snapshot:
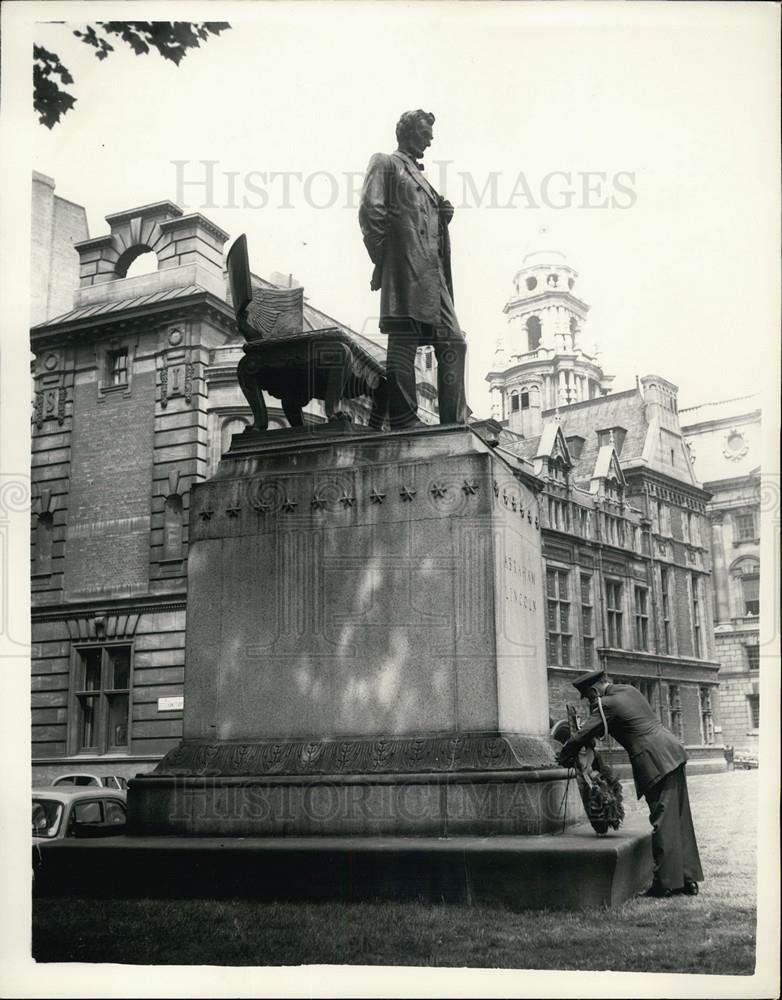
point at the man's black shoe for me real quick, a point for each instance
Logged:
(690, 888)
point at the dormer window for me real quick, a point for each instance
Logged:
(575, 444)
(612, 435)
(118, 367)
(556, 470)
(613, 489)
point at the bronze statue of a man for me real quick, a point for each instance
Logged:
(404, 222)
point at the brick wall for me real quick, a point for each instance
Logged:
(108, 521)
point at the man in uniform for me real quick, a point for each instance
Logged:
(404, 222)
(658, 760)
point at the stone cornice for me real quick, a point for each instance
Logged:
(117, 605)
(52, 334)
(541, 298)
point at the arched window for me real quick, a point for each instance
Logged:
(514, 402)
(532, 283)
(533, 333)
(524, 399)
(129, 263)
(145, 263)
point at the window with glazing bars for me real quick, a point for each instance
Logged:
(558, 612)
(614, 613)
(641, 618)
(675, 710)
(102, 698)
(665, 583)
(587, 621)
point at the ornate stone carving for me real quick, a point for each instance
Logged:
(366, 755)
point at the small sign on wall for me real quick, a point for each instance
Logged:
(170, 704)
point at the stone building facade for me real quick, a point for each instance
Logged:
(135, 399)
(724, 442)
(626, 533)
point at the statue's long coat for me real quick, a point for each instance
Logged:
(406, 235)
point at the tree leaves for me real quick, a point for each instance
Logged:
(170, 39)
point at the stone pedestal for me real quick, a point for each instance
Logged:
(365, 643)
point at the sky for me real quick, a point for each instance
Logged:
(671, 104)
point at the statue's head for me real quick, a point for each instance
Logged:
(414, 132)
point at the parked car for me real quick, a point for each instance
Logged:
(63, 812)
(107, 781)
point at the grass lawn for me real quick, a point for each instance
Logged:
(711, 933)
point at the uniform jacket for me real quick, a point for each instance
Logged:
(404, 224)
(653, 750)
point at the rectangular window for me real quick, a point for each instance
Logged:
(583, 515)
(753, 704)
(745, 527)
(648, 689)
(587, 621)
(696, 614)
(614, 614)
(665, 583)
(753, 658)
(641, 618)
(102, 699)
(750, 587)
(558, 621)
(675, 710)
(514, 403)
(707, 719)
(118, 367)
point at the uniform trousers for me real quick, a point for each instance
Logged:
(674, 848)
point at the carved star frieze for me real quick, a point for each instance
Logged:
(318, 503)
(206, 515)
(376, 497)
(289, 505)
(347, 500)
(513, 503)
(406, 493)
(232, 511)
(262, 508)
(438, 490)
(470, 488)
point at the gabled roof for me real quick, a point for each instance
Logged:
(552, 444)
(606, 467)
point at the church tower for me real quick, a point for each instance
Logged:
(543, 361)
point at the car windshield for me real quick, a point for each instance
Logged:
(47, 814)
